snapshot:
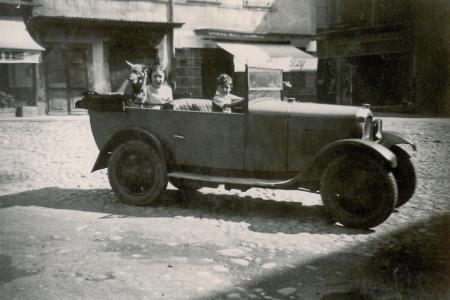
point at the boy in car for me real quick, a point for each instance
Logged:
(223, 100)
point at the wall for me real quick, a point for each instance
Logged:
(145, 11)
(432, 56)
(283, 17)
(419, 30)
(290, 18)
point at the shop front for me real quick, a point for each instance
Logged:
(19, 55)
(296, 64)
(91, 54)
(367, 66)
(212, 52)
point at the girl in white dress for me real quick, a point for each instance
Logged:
(158, 92)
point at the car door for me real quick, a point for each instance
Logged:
(266, 142)
(208, 139)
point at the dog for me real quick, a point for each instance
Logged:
(135, 85)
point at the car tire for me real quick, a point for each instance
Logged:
(358, 191)
(405, 175)
(137, 174)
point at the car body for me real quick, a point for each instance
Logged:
(269, 142)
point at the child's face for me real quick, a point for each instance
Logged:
(226, 88)
(157, 78)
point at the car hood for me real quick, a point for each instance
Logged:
(268, 106)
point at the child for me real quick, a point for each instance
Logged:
(158, 92)
(223, 100)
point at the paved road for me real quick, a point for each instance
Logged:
(63, 234)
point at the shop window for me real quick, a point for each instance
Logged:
(20, 75)
(303, 85)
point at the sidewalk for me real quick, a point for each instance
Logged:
(47, 118)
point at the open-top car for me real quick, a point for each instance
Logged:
(340, 151)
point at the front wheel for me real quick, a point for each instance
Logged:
(405, 175)
(358, 192)
(137, 173)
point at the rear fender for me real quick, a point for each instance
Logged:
(391, 138)
(120, 137)
(315, 169)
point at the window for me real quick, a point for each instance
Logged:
(20, 75)
(258, 3)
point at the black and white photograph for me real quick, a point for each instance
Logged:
(225, 149)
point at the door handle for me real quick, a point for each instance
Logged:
(178, 136)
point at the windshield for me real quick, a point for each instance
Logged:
(264, 79)
(264, 83)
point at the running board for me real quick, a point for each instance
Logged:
(254, 182)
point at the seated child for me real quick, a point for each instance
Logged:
(223, 100)
(158, 92)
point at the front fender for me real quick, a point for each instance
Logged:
(391, 138)
(320, 161)
(122, 136)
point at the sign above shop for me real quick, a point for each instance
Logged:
(14, 57)
(275, 56)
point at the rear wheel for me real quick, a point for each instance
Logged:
(405, 176)
(358, 192)
(136, 172)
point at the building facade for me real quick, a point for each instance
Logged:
(87, 42)
(218, 33)
(393, 54)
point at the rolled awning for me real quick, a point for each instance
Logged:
(16, 44)
(275, 56)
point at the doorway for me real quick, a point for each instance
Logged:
(214, 63)
(67, 75)
(135, 50)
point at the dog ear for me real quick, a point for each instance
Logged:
(132, 66)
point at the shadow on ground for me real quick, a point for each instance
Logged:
(9, 271)
(279, 216)
(413, 263)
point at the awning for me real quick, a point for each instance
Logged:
(16, 44)
(275, 56)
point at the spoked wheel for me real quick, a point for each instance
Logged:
(405, 176)
(358, 192)
(137, 173)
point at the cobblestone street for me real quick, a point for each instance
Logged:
(63, 234)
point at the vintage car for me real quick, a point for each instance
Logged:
(270, 142)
